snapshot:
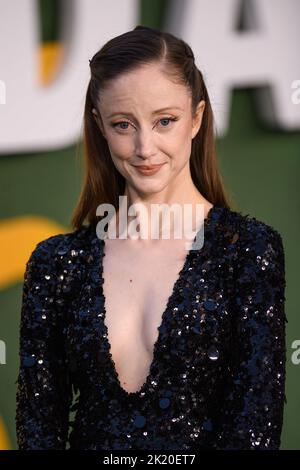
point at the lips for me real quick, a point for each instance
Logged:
(148, 170)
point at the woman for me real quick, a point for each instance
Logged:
(168, 348)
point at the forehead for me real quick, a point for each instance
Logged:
(146, 88)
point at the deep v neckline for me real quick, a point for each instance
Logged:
(156, 344)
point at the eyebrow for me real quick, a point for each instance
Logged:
(154, 112)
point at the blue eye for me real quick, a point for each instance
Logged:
(126, 122)
(167, 119)
(122, 122)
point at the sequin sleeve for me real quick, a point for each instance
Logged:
(43, 385)
(252, 409)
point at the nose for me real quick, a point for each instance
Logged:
(145, 144)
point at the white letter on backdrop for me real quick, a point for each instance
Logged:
(36, 117)
(265, 55)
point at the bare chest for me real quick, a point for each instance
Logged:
(137, 285)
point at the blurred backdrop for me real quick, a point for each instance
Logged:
(247, 51)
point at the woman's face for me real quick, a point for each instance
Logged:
(139, 132)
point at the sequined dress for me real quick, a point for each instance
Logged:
(217, 378)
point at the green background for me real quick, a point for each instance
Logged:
(260, 167)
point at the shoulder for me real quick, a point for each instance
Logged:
(249, 234)
(256, 251)
(60, 245)
(59, 263)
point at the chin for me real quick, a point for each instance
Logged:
(149, 187)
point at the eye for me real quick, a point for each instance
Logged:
(116, 124)
(121, 122)
(168, 119)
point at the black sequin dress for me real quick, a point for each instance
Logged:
(217, 378)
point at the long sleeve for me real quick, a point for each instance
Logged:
(44, 389)
(252, 410)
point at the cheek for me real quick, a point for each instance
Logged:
(179, 144)
(120, 148)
